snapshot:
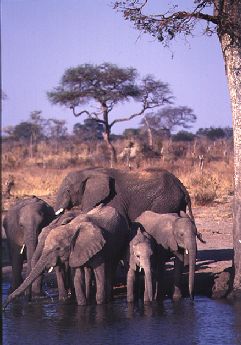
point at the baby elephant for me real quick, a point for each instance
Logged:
(175, 236)
(142, 256)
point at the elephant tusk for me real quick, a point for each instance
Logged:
(96, 209)
(140, 268)
(61, 210)
(186, 251)
(22, 249)
(51, 269)
(239, 241)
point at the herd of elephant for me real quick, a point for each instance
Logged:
(103, 217)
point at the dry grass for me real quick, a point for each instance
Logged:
(42, 174)
(216, 181)
(35, 181)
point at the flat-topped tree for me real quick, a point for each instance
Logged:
(167, 20)
(102, 87)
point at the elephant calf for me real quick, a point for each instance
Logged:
(142, 256)
(175, 236)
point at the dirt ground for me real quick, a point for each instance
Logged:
(215, 224)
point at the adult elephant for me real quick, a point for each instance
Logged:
(96, 240)
(23, 223)
(175, 236)
(130, 193)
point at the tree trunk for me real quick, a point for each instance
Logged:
(31, 146)
(231, 49)
(113, 157)
(106, 136)
(149, 134)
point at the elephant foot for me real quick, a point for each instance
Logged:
(82, 302)
(130, 300)
(100, 301)
(147, 301)
(37, 292)
(177, 296)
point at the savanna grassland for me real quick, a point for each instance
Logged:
(204, 167)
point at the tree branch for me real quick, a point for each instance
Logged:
(196, 15)
(133, 115)
(93, 115)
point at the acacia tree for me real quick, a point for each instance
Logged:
(90, 130)
(221, 17)
(56, 129)
(102, 87)
(167, 119)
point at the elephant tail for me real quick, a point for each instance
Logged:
(189, 205)
(187, 199)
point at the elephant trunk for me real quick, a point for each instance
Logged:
(148, 285)
(34, 274)
(192, 253)
(145, 264)
(31, 243)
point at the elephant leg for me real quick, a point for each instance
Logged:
(110, 278)
(148, 292)
(130, 285)
(67, 275)
(79, 285)
(60, 275)
(159, 281)
(88, 274)
(99, 272)
(178, 268)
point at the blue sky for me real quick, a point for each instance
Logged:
(41, 39)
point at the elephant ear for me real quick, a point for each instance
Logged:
(87, 242)
(165, 236)
(98, 188)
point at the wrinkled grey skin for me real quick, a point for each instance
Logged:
(96, 240)
(142, 256)
(130, 193)
(175, 235)
(23, 223)
(62, 270)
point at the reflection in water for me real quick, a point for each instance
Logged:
(45, 322)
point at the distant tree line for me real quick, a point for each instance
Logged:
(37, 128)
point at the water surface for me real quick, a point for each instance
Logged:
(46, 322)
